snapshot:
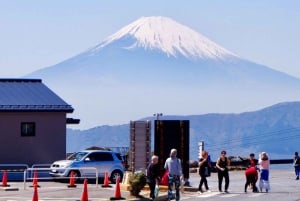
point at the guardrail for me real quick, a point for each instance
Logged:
(39, 169)
(13, 167)
(14, 171)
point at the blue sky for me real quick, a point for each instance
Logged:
(36, 34)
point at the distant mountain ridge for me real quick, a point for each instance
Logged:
(157, 64)
(274, 129)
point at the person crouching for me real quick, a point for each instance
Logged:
(251, 178)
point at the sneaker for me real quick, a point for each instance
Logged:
(226, 191)
(297, 178)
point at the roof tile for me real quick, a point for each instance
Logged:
(29, 95)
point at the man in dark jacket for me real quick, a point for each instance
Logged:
(153, 176)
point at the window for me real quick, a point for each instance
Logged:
(101, 157)
(27, 129)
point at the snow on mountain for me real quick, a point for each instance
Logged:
(170, 37)
(156, 64)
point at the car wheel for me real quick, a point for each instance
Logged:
(115, 174)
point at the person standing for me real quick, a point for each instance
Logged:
(153, 175)
(297, 165)
(264, 164)
(173, 166)
(223, 172)
(204, 171)
(249, 162)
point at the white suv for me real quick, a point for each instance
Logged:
(83, 164)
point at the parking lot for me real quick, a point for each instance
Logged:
(283, 187)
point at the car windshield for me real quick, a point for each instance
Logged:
(77, 156)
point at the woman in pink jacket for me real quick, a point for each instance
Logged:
(264, 164)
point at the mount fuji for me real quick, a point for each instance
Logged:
(155, 64)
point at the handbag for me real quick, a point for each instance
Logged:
(206, 171)
(164, 179)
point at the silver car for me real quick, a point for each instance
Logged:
(85, 163)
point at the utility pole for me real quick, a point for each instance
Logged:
(157, 115)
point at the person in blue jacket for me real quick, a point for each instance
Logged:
(173, 166)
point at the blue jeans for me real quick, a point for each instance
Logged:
(174, 180)
(264, 175)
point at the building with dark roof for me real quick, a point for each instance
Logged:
(32, 122)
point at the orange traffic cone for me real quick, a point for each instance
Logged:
(4, 179)
(35, 180)
(35, 194)
(106, 182)
(84, 196)
(72, 181)
(117, 191)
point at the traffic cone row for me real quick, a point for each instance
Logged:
(4, 180)
(72, 181)
(84, 196)
(117, 191)
(106, 182)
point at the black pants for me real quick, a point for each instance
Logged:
(152, 188)
(252, 179)
(203, 180)
(221, 175)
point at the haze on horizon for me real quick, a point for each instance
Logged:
(155, 63)
(39, 35)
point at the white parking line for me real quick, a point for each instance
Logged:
(255, 194)
(228, 195)
(208, 194)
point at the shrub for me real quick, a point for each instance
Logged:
(137, 182)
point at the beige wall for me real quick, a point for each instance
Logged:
(48, 144)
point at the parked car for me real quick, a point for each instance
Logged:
(84, 164)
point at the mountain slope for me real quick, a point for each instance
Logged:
(157, 64)
(274, 129)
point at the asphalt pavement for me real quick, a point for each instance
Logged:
(283, 187)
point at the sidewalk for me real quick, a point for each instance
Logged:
(282, 181)
(145, 193)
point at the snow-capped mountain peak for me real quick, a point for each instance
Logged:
(170, 37)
